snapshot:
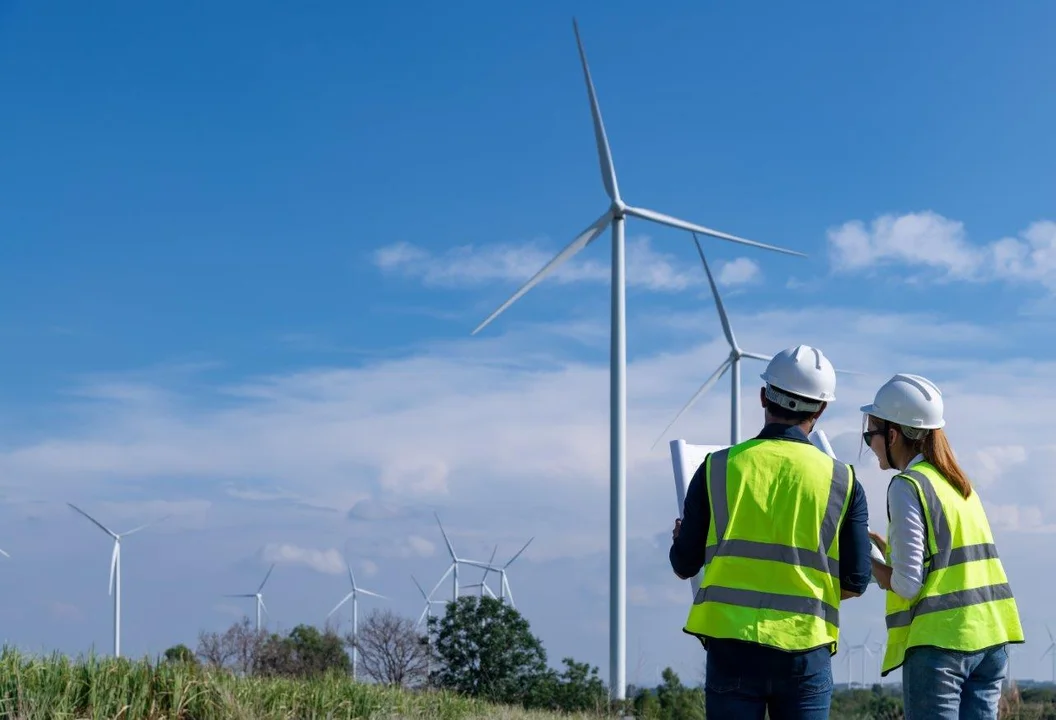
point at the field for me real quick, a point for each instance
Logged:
(33, 688)
(57, 688)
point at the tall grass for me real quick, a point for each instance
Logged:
(57, 688)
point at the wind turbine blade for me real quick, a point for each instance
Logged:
(477, 564)
(422, 617)
(441, 580)
(490, 562)
(338, 606)
(266, 577)
(510, 561)
(608, 170)
(691, 227)
(98, 524)
(113, 564)
(584, 239)
(424, 596)
(715, 377)
(757, 356)
(352, 577)
(849, 372)
(1053, 639)
(450, 549)
(146, 525)
(252, 595)
(726, 329)
(361, 591)
(264, 607)
(4, 553)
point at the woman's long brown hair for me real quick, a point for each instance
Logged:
(935, 448)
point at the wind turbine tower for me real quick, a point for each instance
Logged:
(115, 570)
(258, 596)
(615, 215)
(354, 596)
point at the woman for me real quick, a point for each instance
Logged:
(950, 612)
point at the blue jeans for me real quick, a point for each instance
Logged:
(942, 684)
(796, 689)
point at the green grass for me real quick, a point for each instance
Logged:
(57, 688)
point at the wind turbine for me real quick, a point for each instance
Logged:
(455, 561)
(483, 584)
(1051, 650)
(731, 363)
(504, 588)
(429, 602)
(258, 595)
(354, 596)
(615, 216)
(115, 570)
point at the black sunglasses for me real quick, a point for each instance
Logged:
(867, 436)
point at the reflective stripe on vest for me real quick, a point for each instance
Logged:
(977, 599)
(794, 603)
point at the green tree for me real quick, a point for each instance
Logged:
(678, 702)
(577, 688)
(305, 652)
(647, 705)
(486, 649)
(180, 654)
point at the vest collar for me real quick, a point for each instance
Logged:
(780, 431)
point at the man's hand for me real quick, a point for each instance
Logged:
(678, 526)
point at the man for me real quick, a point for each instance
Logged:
(782, 532)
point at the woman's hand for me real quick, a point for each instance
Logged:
(882, 573)
(880, 541)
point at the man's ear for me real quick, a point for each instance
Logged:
(817, 415)
(762, 397)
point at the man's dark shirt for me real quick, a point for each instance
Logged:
(687, 557)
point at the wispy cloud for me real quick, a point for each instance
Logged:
(325, 561)
(471, 265)
(927, 239)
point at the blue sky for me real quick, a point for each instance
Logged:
(243, 248)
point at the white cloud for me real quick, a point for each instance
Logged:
(470, 265)
(420, 546)
(930, 240)
(739, 272)
(324, 561)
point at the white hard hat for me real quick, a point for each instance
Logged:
(908, 400)
(803, 371)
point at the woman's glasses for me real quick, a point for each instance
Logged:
(867, 436)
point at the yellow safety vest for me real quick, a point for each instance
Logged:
(772, 559)
(965, 602)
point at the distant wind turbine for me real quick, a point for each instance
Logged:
(504, 588)
(1051, 650)
(258, 596)
(429, 602)
(354, 596)
(455, 561)
(615, 216)
(115, 570)
(731, 363)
